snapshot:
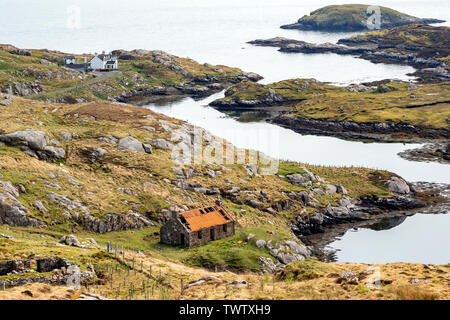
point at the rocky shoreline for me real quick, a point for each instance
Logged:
(197, 88)
(428, 59)
(431, 152)
(428, 69)
(326, 226)
(355, 130)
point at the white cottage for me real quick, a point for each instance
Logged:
(104, 61)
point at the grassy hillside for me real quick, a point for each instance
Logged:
(41, 75)
(154, 277)
(148, 185)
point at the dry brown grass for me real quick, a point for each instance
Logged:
(117, 113)
(410, 292)
(39, 291)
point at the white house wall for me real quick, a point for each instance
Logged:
(97, 63)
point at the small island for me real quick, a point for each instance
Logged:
(389, 110)
(353, 17)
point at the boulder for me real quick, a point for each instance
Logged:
(397, 185)
(6, 101)
(269, 265)
(64, 201)
(8, 187)
(67, 136)
(298, 179)
(130, 143)
(330, 189)
(348, 277)
(51, 153)
(260, 244)
(98, 154)
(147, 148)
(70, 240)
(35, 140)
(12, 212)
(40, 206)
(162, 144)
(211, 173)
(34, 143)
(289, 252)
(341, 189)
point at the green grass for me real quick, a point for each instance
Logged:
(303, 270)
(100, 95)
(227, 253)
(287, 168)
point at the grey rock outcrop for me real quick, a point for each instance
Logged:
(64, 201)
(40, 206)
(269, 265)
(70, 240)
(98, 154)
(113, 222)
(397, 185)
(130, 143)
(12, 212)
(289, 252)
(34, 143)
(163, 144)
(302, 179)
(260, 244)
(6, 101)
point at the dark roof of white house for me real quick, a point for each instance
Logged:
(69, 57)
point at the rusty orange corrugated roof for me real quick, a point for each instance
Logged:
(197, 220)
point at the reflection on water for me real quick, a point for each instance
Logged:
(249, 116)
(386, 223)
(290, 145)
(421, 238)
